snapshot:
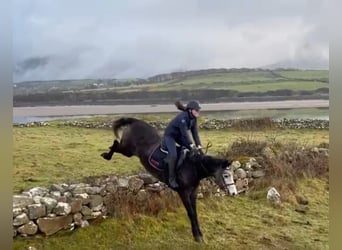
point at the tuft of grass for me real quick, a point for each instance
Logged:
(284, 164)
(254, 124)
(126, 204)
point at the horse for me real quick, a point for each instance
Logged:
(140, 139)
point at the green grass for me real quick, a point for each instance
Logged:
(260, 81)
(42, 156)
(230, 77)
(46, 155)
(56, 154)
(243, 86)
(305, 74)
(292, 85)
(244, 222)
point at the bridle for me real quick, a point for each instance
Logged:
(227, 185)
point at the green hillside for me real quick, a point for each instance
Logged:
(205, 85)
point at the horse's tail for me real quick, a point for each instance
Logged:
(124, 121)
(180, 105)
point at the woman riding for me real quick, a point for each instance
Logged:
(177, 132)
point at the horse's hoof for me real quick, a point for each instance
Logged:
(199, 239)
(106, 156)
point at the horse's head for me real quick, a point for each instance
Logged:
(219, 168)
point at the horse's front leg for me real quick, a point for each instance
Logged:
(112, 149)
(193, 198)
(192, 214)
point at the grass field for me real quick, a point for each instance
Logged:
(249, 81)
(262, 86)
(56, 154)
(243, 82)
(305, 74)
(43, 155)
(252, 76)
(232, 77)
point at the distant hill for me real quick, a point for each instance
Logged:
(207, 85)
(315, 64)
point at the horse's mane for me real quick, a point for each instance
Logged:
(180, 105)
(209, 162)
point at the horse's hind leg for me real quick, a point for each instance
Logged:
(113, 148)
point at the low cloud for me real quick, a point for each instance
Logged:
(58, 40)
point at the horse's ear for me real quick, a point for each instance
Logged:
(180, 105)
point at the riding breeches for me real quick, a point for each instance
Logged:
(170, 144)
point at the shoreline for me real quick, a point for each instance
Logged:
(82, 110)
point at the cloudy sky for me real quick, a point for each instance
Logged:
(64, 39)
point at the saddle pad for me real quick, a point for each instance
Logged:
(157, 157)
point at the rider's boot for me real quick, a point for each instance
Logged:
(172, 173)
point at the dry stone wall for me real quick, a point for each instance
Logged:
(47, 210)
(210, 124)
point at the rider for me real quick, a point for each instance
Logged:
(177, 132)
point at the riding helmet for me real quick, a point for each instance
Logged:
(193, 105)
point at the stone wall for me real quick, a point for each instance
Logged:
(43, 210)
(208, 124)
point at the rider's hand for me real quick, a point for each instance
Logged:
(193, 149)
(200, 150)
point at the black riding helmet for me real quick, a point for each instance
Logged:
(193, 105)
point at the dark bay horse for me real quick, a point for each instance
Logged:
(140, 139)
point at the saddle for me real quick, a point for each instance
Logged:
(158, 156)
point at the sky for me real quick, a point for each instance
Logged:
(63, 39)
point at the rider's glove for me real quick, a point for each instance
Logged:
(200, 150)
(193, 149)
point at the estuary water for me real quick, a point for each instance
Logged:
(308, 108)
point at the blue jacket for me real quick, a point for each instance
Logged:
(179, 126)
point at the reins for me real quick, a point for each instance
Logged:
(209, 145)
